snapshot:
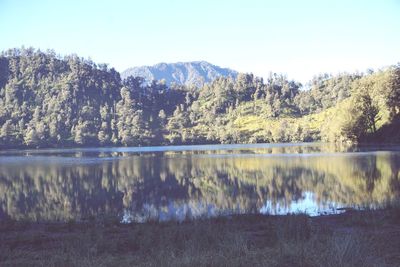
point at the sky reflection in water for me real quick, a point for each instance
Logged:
(174, 183)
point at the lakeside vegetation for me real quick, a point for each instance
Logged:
(52, 101)
(58, 215)
(365, 238)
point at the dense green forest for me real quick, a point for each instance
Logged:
(51, 101)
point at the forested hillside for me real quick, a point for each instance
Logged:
(52, 101)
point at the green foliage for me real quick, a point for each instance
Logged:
(369, 107)
(325, 91)
(49, 101)
(392, 92)
(46, 100)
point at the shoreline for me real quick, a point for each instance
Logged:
(353, 238)
(196, 147)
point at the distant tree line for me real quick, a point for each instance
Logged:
(52, 101)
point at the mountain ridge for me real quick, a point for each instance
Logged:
(196, 73)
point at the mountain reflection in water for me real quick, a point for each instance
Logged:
(164, 183)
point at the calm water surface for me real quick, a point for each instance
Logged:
(177, 182)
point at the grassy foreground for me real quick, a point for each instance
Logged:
(369, 238)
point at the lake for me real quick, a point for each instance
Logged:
(178, 182)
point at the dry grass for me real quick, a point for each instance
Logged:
(296, 240)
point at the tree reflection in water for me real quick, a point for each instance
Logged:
(62, 185)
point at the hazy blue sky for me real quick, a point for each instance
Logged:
(300, 38)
